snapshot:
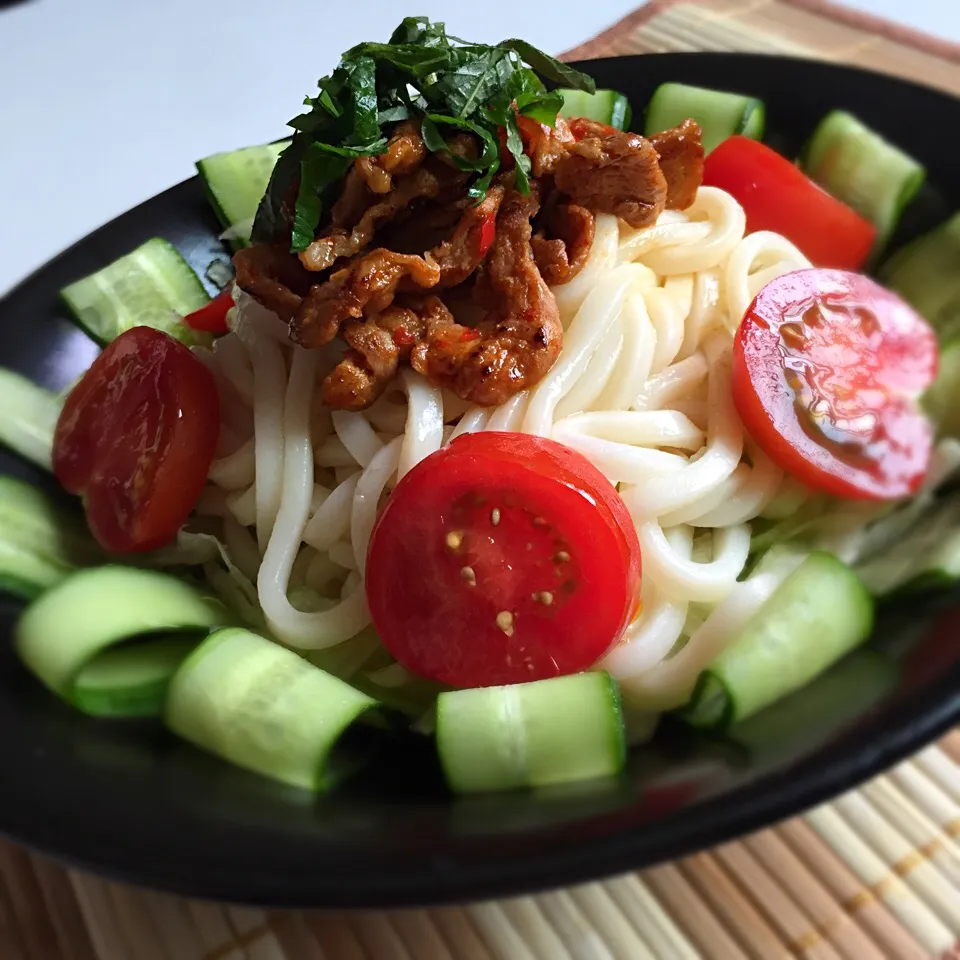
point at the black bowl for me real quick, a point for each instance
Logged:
(130, 801)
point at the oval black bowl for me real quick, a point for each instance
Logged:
(130, 801)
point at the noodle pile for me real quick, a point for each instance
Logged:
(641, 388)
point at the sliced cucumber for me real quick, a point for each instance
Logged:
(781, 559)
(531, 734)
(411, 700)
(61, 635)
(720, 114)
(861, 169)
(40, 543)
(942, 400)
(819, 613)
(830, 702)
(926, 273)
(235, 182)
(25, 573)
(604, 106)
(132, 680)
(927, 557)
(262, 707)
(28, 417)
(151, 287)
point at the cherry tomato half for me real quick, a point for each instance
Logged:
(827, 371)
(500, 559)
(212, 317)
(776, 195)
(136, 437)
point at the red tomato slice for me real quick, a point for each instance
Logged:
(500, 559)
(776, 195)
(827, 370)
(212, 317)
(136, 438)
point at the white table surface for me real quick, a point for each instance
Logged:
(104, 103)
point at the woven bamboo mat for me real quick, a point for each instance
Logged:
(802, 28)
(873, 875)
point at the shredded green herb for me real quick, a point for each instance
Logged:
(420, 73)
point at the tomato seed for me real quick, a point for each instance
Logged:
(561, 556)
(454, 539)
(469, 576)
(495, 516)
(505, 622)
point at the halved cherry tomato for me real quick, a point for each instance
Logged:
(776, 195)
(500, 559)
(827, 370)
(212, 317)
(136, 437)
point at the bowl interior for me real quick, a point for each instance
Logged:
(129, 800)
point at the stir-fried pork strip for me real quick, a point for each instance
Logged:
(680, 154)
(618, 173)
(520, 338)
(367, 284)
(433, 237)
(562, 255)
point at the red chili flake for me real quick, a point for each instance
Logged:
(469, 334)
(488, 230)
(402, 337)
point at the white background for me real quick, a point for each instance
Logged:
(104, 103)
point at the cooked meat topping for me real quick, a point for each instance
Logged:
(367, 284)
(563, 250)
(546, 146)
(617, 173)
(370, 177)
(423, 225)
(353, 200)
(270, 274)
(520, 338)
(459, 256)
(367, 367)
(405, 152)
(431, 236)
(377, 345)
(680, 153)
(337, 243)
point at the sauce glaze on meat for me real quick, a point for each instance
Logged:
(404, 244)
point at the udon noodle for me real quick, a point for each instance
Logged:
(641, 388)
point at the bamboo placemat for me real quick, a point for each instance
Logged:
(803, 28)
(873, 875)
